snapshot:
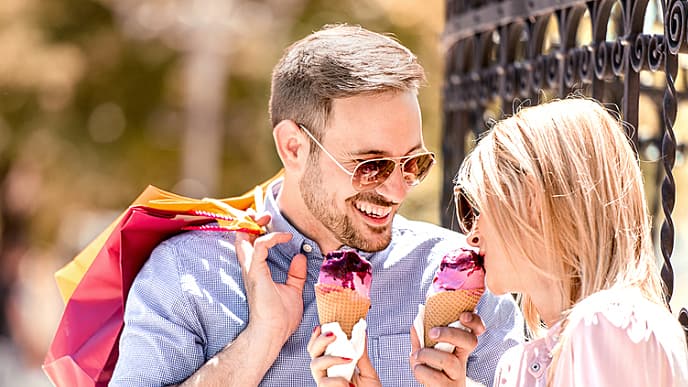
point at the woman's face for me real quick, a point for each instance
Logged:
(503, 274)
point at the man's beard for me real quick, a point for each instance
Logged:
(315, 196)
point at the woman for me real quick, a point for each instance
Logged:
(556, 206)
(559, 214)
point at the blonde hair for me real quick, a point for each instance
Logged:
(564, 190)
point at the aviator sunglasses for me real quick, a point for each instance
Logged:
(465, 210)
(370, 174)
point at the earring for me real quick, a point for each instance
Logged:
(475, 239)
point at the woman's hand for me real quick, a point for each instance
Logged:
(433, 367)
(364, 375)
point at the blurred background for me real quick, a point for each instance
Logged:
(99, 98)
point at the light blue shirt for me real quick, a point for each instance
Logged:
(188, 302)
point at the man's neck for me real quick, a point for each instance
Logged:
(293, 208)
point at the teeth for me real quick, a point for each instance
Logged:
(372, 210)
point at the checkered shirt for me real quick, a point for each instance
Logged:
(188, 302)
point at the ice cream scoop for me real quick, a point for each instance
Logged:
(343, 289)
(459, 270)
(456, 287)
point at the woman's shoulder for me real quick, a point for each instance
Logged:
(624, 308)
(624, 316)
(620, 328)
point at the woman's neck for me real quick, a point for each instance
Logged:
(547, 298)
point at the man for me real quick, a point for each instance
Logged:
(347, 127)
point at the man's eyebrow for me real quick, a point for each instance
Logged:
(381, 153)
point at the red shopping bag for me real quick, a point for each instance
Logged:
(95, 284)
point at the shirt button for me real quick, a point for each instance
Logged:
(307, 248)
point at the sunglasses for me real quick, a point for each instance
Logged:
(465, 210)
(370, 174)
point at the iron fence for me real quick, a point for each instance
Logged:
(500, 54)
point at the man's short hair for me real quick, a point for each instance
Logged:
(338, 61)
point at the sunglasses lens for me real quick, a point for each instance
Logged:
(466, 212)
(417, 168)
(370, 174)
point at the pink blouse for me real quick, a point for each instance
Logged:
(613, 338)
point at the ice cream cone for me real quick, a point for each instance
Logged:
(342, 305)
(443, 308)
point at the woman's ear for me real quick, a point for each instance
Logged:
(292, 145)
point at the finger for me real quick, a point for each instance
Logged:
(317, 345)
(296, 277)
(314, 335)
(465, 342)
(365, 365)
(334, 382)
(258, 253)
(415, 347)
(268, 241)
(415, 341)
(446, 362)
(473, 322)
(243, 244)
(248, 248)
(319, 365)
(429, 376)
(263, 219)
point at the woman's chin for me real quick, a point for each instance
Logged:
(495, 289)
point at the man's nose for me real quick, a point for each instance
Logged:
(394, 188)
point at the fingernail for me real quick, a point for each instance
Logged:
(329, 334)
(434, 333)
(467, 317)
(315, 328)
(346, 358)
(352, 385)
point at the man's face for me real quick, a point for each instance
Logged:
(362, 128)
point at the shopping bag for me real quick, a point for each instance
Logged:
(95, 284)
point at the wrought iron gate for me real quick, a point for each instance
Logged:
(500, 53)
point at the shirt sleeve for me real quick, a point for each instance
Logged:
(161, 343)
(639, 349)
(504, 328)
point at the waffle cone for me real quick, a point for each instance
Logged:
(343, 305)
(443, 308)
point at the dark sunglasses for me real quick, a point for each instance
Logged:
(370, 174)
(465, 210)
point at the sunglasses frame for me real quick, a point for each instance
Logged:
(398, 161)
(466, 211)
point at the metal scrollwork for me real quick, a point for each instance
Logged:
(617, 56)
(585, 63)
(603, 67)
(552, 70)
(655, 53)
(503, 50)
(638, 53)
(523, 80)
(538, 75)
(571, 75)
(675, 28)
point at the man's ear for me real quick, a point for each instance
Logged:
(292, 145)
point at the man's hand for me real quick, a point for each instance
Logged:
(275, 313)
(433, 367)
(275, 310)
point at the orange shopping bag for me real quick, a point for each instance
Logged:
(95, 284)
